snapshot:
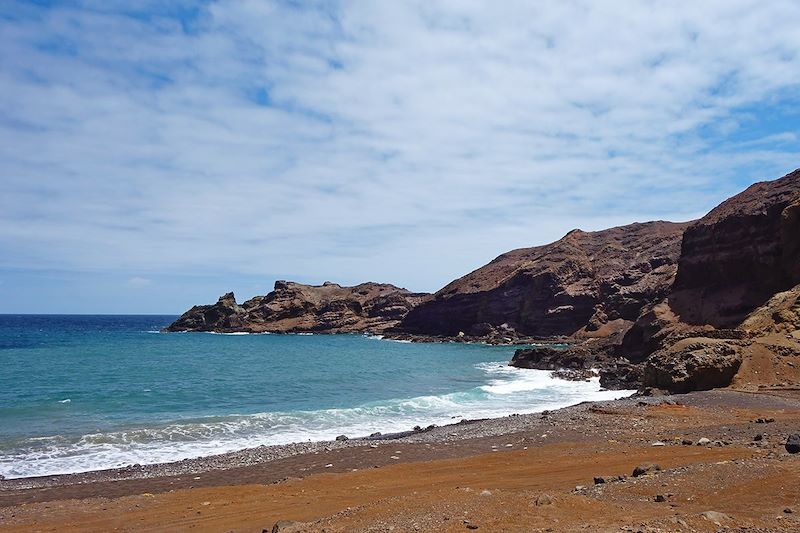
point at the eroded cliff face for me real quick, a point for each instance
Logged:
(732, 314)
(739, 255)
(587, 283)
(294, 307)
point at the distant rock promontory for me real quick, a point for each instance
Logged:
(295, 308)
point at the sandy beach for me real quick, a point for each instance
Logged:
(520, 473)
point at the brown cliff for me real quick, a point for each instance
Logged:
(732, 316)
(586, 284)
(740, 254)
(294, 307)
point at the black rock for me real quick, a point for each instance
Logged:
(342, 438)
(793, 443)
(758, 436)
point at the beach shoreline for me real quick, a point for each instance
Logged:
(618, 431)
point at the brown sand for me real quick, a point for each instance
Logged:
(753, 483)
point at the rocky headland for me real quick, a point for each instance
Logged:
(729, 317)
(296, 308)
(658, 306)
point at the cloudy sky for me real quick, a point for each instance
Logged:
(156, 156)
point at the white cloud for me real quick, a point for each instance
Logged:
(403, 141)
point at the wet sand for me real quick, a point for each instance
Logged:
(487, 475)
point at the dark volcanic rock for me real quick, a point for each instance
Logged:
(793, 443)
(294, 307)
(621, 376)
(693, 364)
(225, 315)
(545, 358)
(579, 363)
(595, 283)
(740, 254)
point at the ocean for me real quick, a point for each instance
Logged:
(81, 392)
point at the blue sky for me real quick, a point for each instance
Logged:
(157, 156)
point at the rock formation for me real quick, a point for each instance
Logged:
(586, 284)
(732, 316)
(740, 254)
(294, 307)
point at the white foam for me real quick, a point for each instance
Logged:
(507, 390)
(67, 400)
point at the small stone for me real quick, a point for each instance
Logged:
(486, 493)
(658, 443)
(376, 434)
(793, 443)
(645, 468)
(704, 442)
(342, 438)
(758, 436)
(660, 498)
(329, 465)
(788, 510)
(580, 488)
(687, 442)
(543, 499)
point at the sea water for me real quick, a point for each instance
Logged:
(81, 393)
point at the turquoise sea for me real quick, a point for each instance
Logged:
(84, 392)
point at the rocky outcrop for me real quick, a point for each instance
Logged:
(693, 364)
(294, 307)
(586, 284)
(736, 287)
(582, 361)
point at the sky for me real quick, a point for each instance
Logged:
(156, 154)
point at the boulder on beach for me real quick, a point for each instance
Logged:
(693, 364)
(645, 468)
(793, 443)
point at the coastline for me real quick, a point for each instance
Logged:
(619, 430)
(464, 429)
